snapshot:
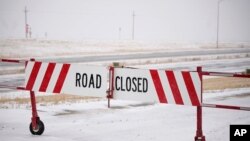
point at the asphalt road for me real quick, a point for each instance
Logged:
(146, 55)
(99, 58)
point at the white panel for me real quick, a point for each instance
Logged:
(91, 81)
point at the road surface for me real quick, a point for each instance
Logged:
(99, 58)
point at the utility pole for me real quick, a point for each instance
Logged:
(218, 18)
(133, 25)
(218, 23)
(30, 33)
(26, 24)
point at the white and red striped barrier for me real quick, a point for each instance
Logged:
(12, 61)
(223, 74)
(66, 78)
(173, 87)
(226, 107)
(226, 74)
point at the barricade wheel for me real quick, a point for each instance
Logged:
(39, 130)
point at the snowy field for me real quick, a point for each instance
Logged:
(125, 121)
(17, 48)
(41, 48)
(91, 120)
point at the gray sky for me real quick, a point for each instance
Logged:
(189, 21)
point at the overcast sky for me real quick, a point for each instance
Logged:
(165, 20)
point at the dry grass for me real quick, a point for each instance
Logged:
(52, 99)
(225, 82)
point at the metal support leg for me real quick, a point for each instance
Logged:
(108, 102)
(36, 126)
(199, 135)
(35, 118)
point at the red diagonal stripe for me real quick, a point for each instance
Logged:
(174, 87)
(61, 78)
(33, 75)
(47, 77)
(158, 86)
(190, 88)
(200, 75)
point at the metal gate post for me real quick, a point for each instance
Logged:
(199, 135)
(35, 118)
(111, 85)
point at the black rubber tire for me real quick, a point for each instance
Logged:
(40, 129)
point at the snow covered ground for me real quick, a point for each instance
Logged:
(91, 120)
(125, 121)
(51, 48)
(18, 48)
